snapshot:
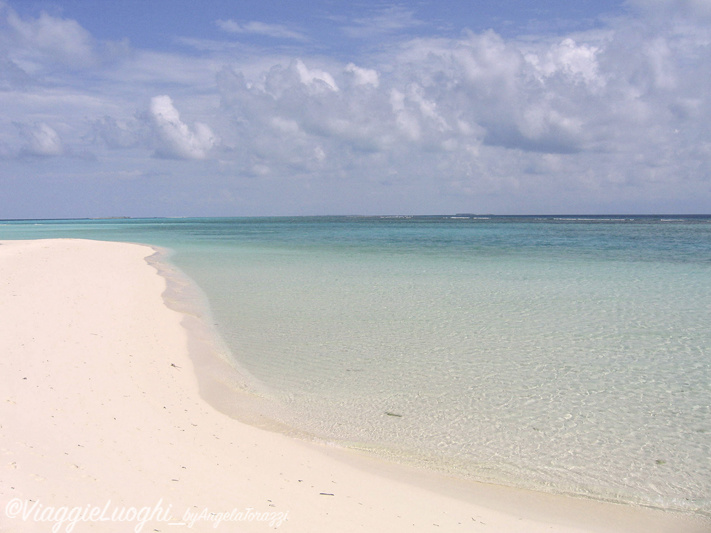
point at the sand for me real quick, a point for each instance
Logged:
(103, 427)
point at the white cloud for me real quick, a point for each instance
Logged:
(590, 113)
(488, 60)
(120, 133)
(286, 126)
(315, 78)
(276, 31)
(661, 62)
(48, 39)
(384, 21)
(12, 76)
(40, 140)
(174, 139)
(593, 115)
(363, 76)
(567, 58)
(406, 120)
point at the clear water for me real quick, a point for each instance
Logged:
(566, 354)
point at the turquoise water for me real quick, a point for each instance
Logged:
(564, 354)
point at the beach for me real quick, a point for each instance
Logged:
(110, 420)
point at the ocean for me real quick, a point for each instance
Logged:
(567, 354)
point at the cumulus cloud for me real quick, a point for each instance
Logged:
(174, 139)
(570, 59)
(315, 78)
(160, 129)
(441, 94)
(363, 76)
(40, 139)
(597, 114)
(607, 108)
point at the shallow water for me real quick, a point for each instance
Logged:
(567, 354)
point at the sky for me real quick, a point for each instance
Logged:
(163, 108)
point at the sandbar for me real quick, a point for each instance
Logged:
(105, 425)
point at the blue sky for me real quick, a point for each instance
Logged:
(219, 108)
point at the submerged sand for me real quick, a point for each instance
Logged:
(103, 427)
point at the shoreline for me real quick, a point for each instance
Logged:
(110, 394)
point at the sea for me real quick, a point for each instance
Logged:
(564, 354)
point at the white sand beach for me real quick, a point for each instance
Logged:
(103, 428)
